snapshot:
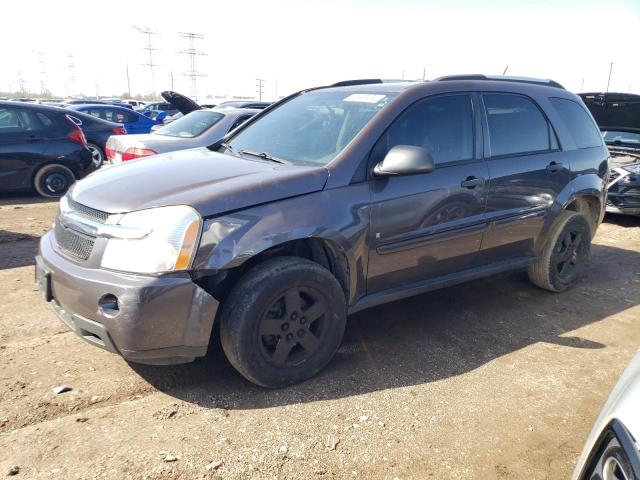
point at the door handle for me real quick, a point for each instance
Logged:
(472, 182)
(554, 167)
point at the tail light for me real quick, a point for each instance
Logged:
(76, 135)
(119, 130)
(135, 152)
(109, 149)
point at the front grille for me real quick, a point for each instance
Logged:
(88, 212)
(72, 243)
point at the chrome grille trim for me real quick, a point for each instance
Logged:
(87, 212)
(72, 243)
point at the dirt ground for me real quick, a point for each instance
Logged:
(491, 379)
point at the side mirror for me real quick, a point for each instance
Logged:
(161, 116)
(147, 113)
(405, 160)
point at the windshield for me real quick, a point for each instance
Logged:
(628, 138)
(191, 125)
(313, 127)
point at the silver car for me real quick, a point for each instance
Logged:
(199, 128)
(612, 451)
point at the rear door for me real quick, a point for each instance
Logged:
(22, 144)
(428, 225)
(526, 172)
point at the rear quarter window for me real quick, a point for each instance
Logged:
(583, 130)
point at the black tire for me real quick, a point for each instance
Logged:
(53, 180)
(565, 255)
(283, 321)
(97, 154)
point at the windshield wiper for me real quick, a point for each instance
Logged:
(228, 147)
(263, 155)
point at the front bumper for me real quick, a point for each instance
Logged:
(156, 320)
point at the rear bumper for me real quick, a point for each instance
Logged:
(157, 320)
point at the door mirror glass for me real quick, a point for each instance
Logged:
(405, 160)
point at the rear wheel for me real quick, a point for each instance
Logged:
(565, 256)
(53, 180)
(283, 321)
(96, 153)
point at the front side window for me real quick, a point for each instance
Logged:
(312, 128)
(516, 126)
(583, 130)
(442, 125)
(191, 125)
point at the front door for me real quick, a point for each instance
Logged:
(427, 225)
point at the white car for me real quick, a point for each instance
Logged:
(199, 128)
(612, 451)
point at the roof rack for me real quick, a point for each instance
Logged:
(349, 83)
(501, 78)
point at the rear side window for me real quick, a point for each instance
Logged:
(46, 121)
(583, 130)
(442, 125)
(517, 126)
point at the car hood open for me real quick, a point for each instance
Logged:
(614, 111)
(210, 182)
(181, 103)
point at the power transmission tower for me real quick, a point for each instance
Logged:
(71, 65)
(148, 33)
(43, 72)
(21, 82)
(259, 86)
(192, 54)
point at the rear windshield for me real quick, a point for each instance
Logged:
(311, 128)
(191, 125)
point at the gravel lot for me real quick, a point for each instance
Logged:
(492, 379)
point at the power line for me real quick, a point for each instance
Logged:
(259, 86)
(192, 54)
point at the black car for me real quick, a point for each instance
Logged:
(41, 148)
(97, 131)
(334, 200)
(618, 116)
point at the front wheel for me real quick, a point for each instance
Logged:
(53, 180)
(565, 255)
(283, 321)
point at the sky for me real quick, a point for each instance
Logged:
(298, 44)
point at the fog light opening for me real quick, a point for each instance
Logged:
(108, 304)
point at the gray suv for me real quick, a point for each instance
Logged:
(333, 200)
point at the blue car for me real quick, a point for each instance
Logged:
(133, 122)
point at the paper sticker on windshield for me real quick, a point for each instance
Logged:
(364, 98)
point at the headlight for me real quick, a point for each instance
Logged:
(169, 245)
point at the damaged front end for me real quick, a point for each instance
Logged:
(618, 116)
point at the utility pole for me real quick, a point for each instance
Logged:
(277, 89)
(609, 80)
(171, 77)
(505, 70)
(582, 86)
(147, 32)
(192, 53)
(128, 81)
(259, 90)
(424, 73)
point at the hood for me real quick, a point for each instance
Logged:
(614, 111)
(210, 182)
(180, 102)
